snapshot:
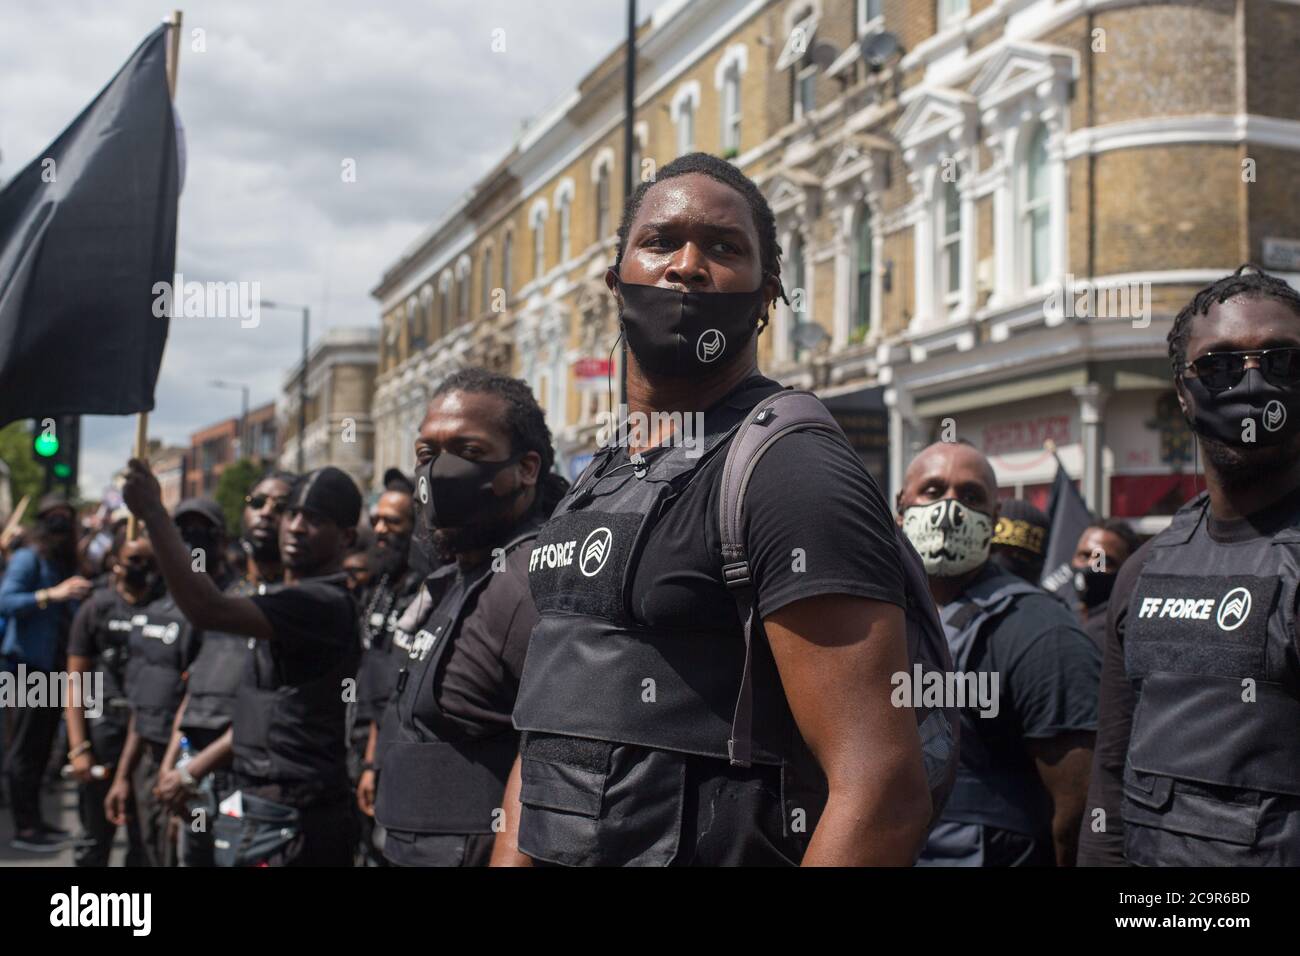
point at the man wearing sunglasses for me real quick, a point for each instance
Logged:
(215, 675)
(1198, 760)
(288, 733)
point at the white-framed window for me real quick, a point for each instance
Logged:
(731, 111)
(950, 11)
(414, 320)
(864, 258)
(686, 128)
(804, 86)
(507, 253)
(950, 245)
(602, 202)
(486, 302)
(797, 57)
(1036, 208)
(464, 269)
(799, 287)
(444, 303)
(539, 248)
(563, 217)
(871, 15)
(682, 111)
(726, 78)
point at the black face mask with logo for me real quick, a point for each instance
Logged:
(1222, 416)
(1093, 587)
(451, 492)
(684, 334)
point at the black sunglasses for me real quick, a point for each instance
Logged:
(258, 502)
(1222, 370)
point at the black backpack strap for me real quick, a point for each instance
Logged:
(778, 414)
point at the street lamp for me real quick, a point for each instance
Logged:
(302, 379)
(243, 413)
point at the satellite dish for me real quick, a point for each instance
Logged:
(824, 54)
(878, 48)
(809, 335)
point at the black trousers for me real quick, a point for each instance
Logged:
(153, 818)
(27, 753)
(97, 832)
(327, 834)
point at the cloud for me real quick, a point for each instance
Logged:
(279, 96)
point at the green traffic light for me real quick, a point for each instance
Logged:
(46, 445)
(62, 470)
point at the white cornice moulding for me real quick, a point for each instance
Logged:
(1169, 130)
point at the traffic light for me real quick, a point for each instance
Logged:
(56, 445)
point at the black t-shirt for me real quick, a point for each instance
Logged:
(1118, 700)
(316, 630)
(815, 523)
(101, 628)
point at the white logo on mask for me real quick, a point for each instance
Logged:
(950, 538)
(595, 551)
(424, 490)
(1274, 415)
(1233, 609)
(710, 345)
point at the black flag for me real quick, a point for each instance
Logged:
(1067, 518)
(86, 230)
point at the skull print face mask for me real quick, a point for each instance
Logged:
(951, 538)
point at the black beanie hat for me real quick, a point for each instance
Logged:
(330, 492)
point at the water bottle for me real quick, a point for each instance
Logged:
(186, 754)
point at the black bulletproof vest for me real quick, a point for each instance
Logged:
(1212, 776)
(216, 673)
(427, 784)
(594, 670)
(987, 791)
(377, 678)
(161, 642)
(294, 733)
(108, 730)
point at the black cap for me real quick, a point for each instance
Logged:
(204, 507)
(330, 492)
(396, 480)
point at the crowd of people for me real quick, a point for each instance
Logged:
(692, 656)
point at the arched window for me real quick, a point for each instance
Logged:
(950, 243)
(487, 280)
(1035, 208)
(563, 205)
(865, 268)
(464, 269)
(444, 302)
(539, 248)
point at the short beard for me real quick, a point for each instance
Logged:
(1238, 469)
(450, 543)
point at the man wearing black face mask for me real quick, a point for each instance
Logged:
(394, 585)
(1026, 742)
(630, 754)
(217, 672)
(1101, 552)
(483, 487)
(162, 645)
(98, 643)
(1198, 761)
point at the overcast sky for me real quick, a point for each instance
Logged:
(282, 94)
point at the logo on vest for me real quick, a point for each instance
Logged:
(1274, 415)
(595, 551)
(1234, 608)
(710, 345)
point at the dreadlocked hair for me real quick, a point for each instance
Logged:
(525, 423)
(1255, 284)
(719, 170)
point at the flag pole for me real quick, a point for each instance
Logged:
(142, 418)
